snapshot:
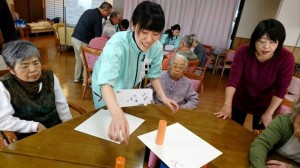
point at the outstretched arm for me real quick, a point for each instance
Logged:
(118, 124)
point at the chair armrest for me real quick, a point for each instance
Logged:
(77, 108)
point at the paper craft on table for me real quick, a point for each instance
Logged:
(98, 124)
(134, 97)
(181, 148)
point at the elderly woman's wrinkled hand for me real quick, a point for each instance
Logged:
(40, 128)
(171, 104)
(277, 164)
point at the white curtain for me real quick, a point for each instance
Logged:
(210, 20)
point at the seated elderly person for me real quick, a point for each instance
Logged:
(184, 49)
(176, 86)
(199, 50)
(123, 25)
(114, 19)
(99, 42)
(282, 136)
(185, 46)
(31, 98)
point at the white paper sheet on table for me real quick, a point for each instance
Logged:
(98, 124)
(181, 148)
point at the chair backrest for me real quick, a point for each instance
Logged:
(165, 62)
(208, 61)
(56, 26)
(198, 78)
(90, 56)
(229, 55)
(208, 49)
(3, 72)
(294, 87)
(65, 35)
(192, 66)
(196, 81)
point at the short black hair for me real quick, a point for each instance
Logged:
(273, 29)
(105, 5)
(125, 23)
(149, 16)
(170, 31)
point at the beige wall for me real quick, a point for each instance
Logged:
(289, 15)
(253, 12)
(118, 5)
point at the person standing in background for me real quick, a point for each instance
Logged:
(259, 76)
(88, 27)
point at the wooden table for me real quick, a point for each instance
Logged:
(63, 143)
(21, 161)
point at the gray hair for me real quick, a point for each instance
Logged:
(109, 30)
(194, 38)
(114, 14)
(187, 41)
(295, 111)
(177, 55)
(17, 51)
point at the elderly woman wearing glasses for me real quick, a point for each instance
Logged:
(176, 86)
(31, 98)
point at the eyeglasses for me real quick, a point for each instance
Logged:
(107, 11)
(180, 68)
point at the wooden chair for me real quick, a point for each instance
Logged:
(89, 57)
(197, 78)
(226, 63)
(192, 66)
(291, 97)
(6, 138)
(208, 49)
(166, 60)
(56, 26)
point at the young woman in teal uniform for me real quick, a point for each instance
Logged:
(171, 36)
(126, 59)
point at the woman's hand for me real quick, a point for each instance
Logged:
(119, 128)
(277, 164)
(266, 119)
(171, 103)
(225, 112)
(40, 128)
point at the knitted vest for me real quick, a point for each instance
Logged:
(37, 107)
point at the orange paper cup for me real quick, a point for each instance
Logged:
(120, 162)
(161, 132)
